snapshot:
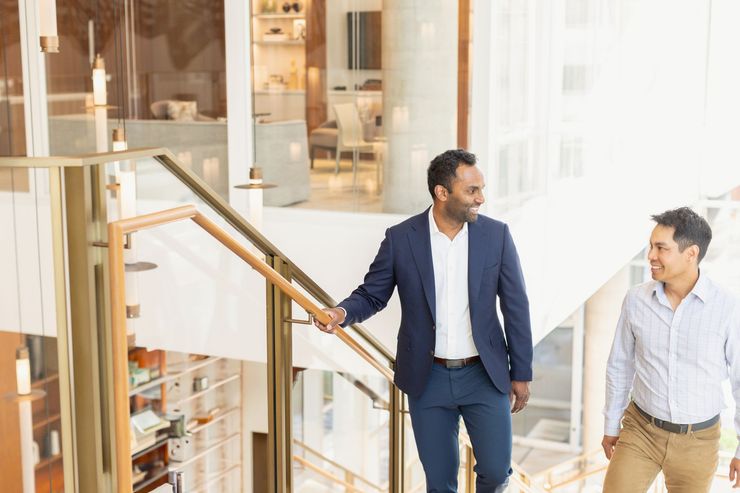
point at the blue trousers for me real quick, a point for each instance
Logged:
(435, 416)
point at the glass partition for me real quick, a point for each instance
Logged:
(33, 405)
(164, 80)
(341, 96)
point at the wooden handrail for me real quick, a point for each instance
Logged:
(326, 474)
(337, 465)
(573, 460)
(116, 232)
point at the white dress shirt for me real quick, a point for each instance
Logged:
(454, 332)
(674, 362)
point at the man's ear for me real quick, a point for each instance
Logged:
(693, 253)
(441, 192)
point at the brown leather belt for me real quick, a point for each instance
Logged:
(456, 363)
(675, 427)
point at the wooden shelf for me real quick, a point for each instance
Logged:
(287, 42)
(189, 368)
(47, 461)
(158, 474)
(154, 446)
(203, 453)
(43, 381)
(279, 16)
(46, 421)
(218, 418)
(215, 478)
(281, 92)
(216, 385)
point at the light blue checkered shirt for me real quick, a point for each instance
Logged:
(674, 362)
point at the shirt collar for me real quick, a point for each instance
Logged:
(700, 290)
(433, 229)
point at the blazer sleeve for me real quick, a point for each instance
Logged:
(515, 309)
(375, 291)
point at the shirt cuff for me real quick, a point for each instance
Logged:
(612, 427)
(345, 312)
(737, 452)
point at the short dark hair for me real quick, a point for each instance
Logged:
(689, 228)
(443, 167)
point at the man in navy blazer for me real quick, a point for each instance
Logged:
(450, 264)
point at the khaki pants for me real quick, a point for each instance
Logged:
(688, 461)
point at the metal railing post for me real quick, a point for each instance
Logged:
(85, 210)
(279, 383)
(396, 430)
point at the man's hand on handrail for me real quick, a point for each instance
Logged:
(337, 317)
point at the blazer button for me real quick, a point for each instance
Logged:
(434, 327)
(431, 352)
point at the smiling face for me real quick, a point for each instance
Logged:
(667, 262)
(461, 204)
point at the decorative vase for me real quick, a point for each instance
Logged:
(286, 7)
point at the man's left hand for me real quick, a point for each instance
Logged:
(518, 396)
(735, 472)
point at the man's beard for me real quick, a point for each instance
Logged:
(467, 216)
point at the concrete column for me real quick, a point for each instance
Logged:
(419, 50)
(602, 314)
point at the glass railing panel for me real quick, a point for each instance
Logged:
(32, 378)
(197, 341)
(548, 414)
(340, 416)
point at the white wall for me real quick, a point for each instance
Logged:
(721, 160)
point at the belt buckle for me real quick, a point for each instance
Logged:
(454, 363)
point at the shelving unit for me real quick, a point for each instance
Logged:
(273, 61)
(173, 392)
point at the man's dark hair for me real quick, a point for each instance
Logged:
(689, 229)
(443, 167)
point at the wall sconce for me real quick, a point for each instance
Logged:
(100, 93)
(48, 38)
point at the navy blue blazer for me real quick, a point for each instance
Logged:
(404, 260)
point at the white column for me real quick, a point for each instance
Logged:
(238, 100)
(602, 314)
(419, 96)
(34, 81)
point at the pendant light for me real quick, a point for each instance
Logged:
(22, 371)
(48, 38)
(100, 93)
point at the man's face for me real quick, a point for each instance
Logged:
(666, 261)
(466, 195)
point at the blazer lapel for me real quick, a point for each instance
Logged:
(476, 261)
(421, 248)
